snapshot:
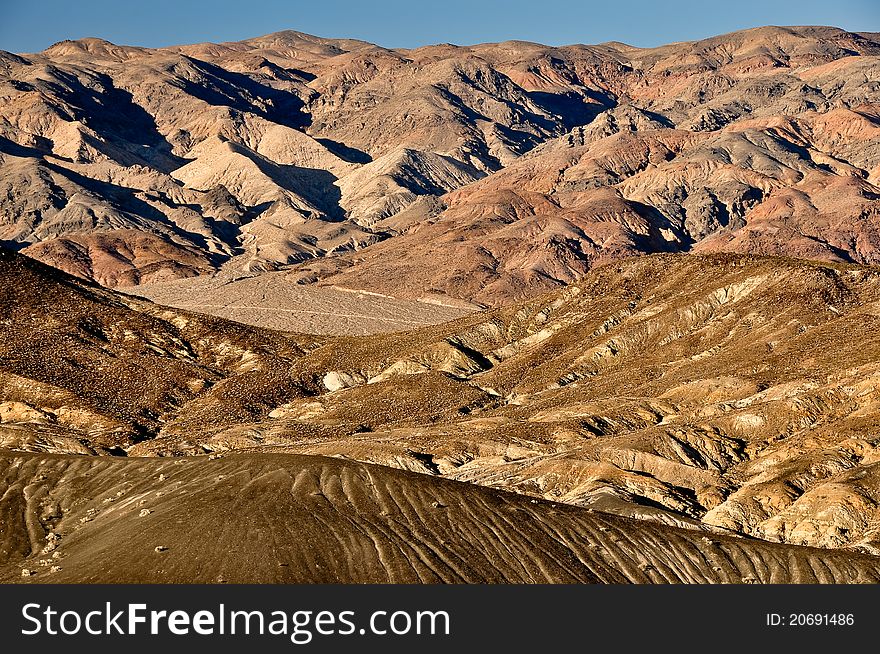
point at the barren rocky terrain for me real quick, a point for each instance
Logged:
(274, 300)
(317, 520)
(492, 313)
(484, 173)
(727, 396)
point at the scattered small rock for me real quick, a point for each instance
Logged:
(55, 568)
(144, 512)
(51, 542)
(27, 573)
(161, 548)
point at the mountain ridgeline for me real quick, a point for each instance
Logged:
(484, 173)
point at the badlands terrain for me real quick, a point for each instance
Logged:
(303, 309)
(669, 418)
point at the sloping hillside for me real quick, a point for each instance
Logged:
(297, 519)
(718, 393)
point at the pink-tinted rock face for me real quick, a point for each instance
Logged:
(485, 173)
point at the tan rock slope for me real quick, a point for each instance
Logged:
(484, 173)
(299, 519)
(705, 413)
(723, 394)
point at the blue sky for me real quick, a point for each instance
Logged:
(35, 24)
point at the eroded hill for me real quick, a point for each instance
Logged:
(724, 393)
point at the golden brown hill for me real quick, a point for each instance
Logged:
(86, 370)
(715, 392)
(802, 186)
(307, 519)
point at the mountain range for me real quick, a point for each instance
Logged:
(477, 174)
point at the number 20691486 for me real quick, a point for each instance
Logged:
(810, 619)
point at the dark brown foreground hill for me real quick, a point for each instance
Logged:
(306, 519)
